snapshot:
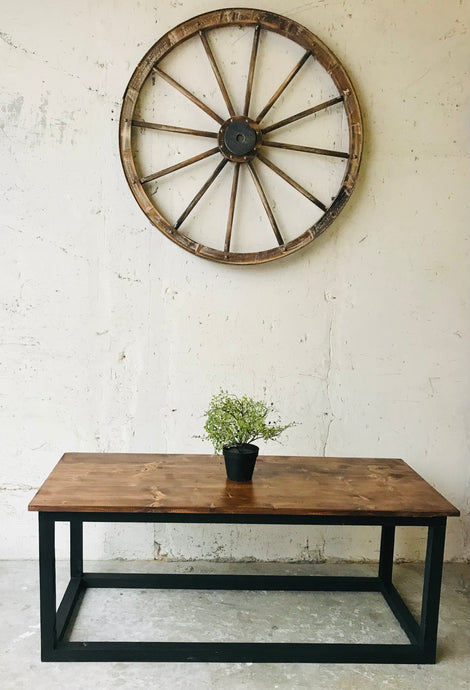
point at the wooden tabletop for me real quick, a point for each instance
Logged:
(284, 485)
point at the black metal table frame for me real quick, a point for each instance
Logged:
(55, 624)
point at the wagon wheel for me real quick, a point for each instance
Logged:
(241, 140)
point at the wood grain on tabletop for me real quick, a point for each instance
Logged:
(179, 483)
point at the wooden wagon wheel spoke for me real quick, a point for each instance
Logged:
(304, 113)
(265, 203)
(306, 149)
(200, 193)
(179, 87)
(233, 196)
(283, 86)
(292, 182)
(251, 71)
(178, 166)
(173, 128)
(239, 138)
(216, 71)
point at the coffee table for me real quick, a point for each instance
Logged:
(110, 487)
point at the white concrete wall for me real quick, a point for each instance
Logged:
(113, 339)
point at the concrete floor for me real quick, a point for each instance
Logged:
(256, 616)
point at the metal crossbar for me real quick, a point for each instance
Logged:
(55, 625)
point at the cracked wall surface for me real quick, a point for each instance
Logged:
(112, 338)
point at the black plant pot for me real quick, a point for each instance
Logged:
(240, 461)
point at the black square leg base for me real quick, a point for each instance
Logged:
(55, 624)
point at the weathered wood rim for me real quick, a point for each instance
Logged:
(260, 20)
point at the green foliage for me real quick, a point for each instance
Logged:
(232, 421)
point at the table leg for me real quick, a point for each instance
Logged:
(432, 589)
(387, 543)
(390, 593)
(76, 547)
(47, 585)
(76, 586)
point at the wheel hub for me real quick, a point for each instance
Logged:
(238, 139)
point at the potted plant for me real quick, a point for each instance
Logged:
(233, 424)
